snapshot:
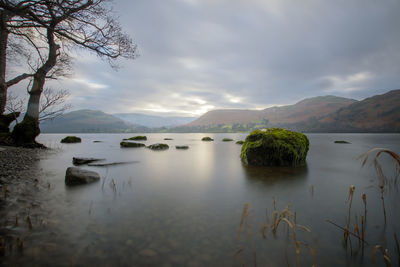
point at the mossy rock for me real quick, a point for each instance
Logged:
(275, 147)
(207, 138)
(240, 142)
(139, 137)
(227, 140)
(71, 139)
(131, 144)
(158, 146)
(341, 142)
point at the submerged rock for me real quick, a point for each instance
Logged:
(342, 142)
(80, 161)
(240, 142)
(227, 140)
(275, 147)
(139, 137)
(207, 138)
(71, 139)
(147, 253)
(168, 138)
(158, 146)
(182, 147)
(77, 176)
(131, 144)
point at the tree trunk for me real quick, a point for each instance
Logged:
(4, 17)
(26, 132)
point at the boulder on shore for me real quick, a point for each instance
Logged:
(158, 146)
(131, 144)
(77, 176)
(275, 147)
(207, 138)
(71, 139)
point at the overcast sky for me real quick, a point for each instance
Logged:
(198, 55)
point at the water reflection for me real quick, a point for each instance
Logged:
(272, 175)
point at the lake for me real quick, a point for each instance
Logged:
(184, 207)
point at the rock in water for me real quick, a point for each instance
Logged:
(182, 147)
(77, 176)
(275, 147)
(80, 161)
(207, 138)
(342, 142)
(131, 144)
(158, 146)
(71, 139)
(139, 137)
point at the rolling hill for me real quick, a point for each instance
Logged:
(380, 113)
(90, 121)
(301, 111)
(153, 121)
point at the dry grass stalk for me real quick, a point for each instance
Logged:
(264, 227)
(245, 214)
(28, 219)
(364, 199)
(378, 168)
(385, 254)
(397, 247)
(349, 232)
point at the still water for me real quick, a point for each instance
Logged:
(184, 207)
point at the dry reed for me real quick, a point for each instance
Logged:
(378, 168)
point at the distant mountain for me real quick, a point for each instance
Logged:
(153, 121)
(380, 113)
(303, 110)
(88, 121)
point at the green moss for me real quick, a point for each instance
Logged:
(227, 140)
(158, 146)
(139, 137)
(131, 144)
(275, 147)
(240, 142)
(342, 142)
(207, 139)
(71, 139)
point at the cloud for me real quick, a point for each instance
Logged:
(200, 55)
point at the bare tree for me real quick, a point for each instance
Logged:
(52, 104)
(63, 25)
